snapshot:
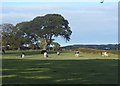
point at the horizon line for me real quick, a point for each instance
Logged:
(88, 44)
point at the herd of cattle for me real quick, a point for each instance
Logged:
(77, 54)
(45, 53)
(105, 54)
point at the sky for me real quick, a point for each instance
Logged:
(91, 22)
(58, 0)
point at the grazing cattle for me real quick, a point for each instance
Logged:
(105, 54)
(45, 55)
(23, 55)
(58, 53)
(77, 53)
(43, 51)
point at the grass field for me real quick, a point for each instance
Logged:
(63, 69)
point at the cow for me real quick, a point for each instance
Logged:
(43, 51)
(105, 54)
(45, 54)
(22, 55)
(58, 53)
(77, 53)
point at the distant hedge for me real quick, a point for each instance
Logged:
(94, 51)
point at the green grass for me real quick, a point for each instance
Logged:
(63, 69)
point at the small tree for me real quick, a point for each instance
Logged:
(12, 36)
(56, 46)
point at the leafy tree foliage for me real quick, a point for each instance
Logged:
(12, 38)
(7, 35)
(41, 29)
(45, 27)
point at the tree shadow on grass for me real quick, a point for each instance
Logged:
(16, 71)
(18, 53)
(33, 52)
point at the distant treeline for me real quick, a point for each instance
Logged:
(98, 47)
(94, 51)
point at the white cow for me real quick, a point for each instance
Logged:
(45, 55)
(105, 54)
(77, 55)
(58, 53)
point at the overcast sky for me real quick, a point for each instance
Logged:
(90, 22)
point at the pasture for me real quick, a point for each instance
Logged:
(62, 69)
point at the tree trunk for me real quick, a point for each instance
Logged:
(45, 45)
(47, 42)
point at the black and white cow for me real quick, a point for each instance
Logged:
(77, 53)
(45, 54)
(22, 55)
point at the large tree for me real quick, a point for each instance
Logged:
(46, 27)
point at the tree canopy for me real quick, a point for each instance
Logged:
(11, 37)
(43, 28)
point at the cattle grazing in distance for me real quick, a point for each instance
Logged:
(43, 51)
(22, 55)
(58, 53)
(105, 54)
(45, 54)
(77, 53)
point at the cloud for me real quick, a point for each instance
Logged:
(69, 10)
(89, 22)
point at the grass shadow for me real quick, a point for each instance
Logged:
(17, 71)
(18, 53)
